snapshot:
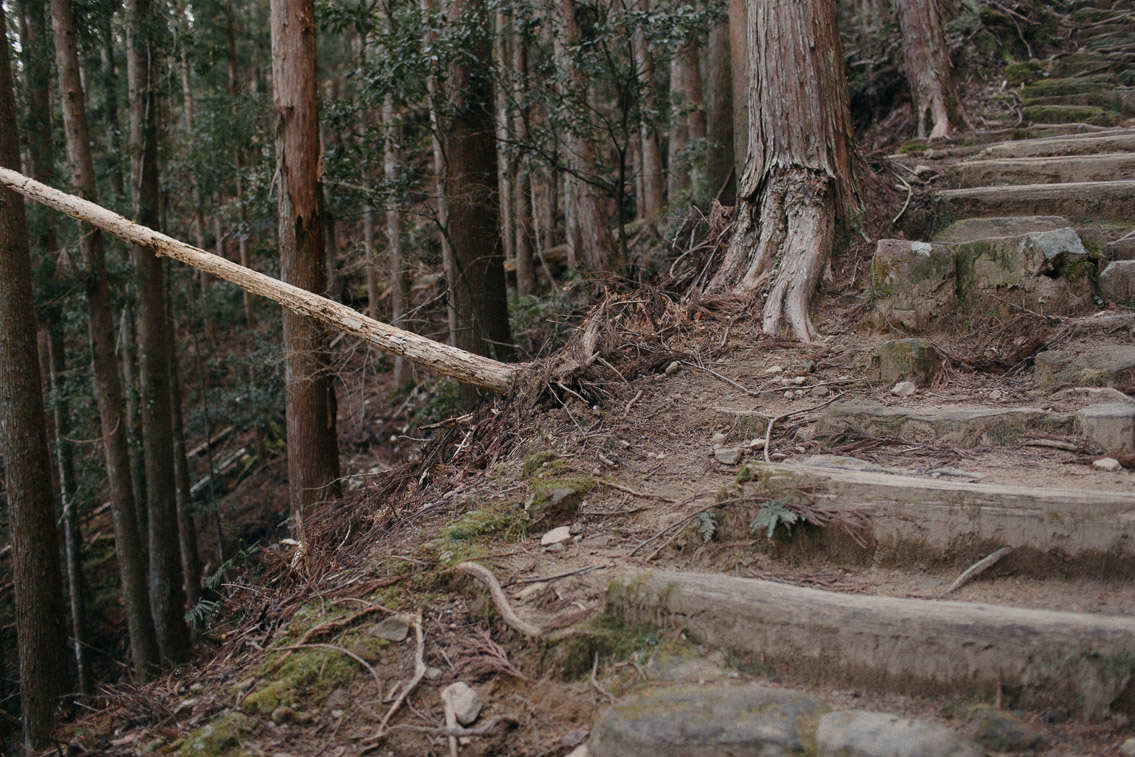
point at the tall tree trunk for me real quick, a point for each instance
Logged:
(437, 103)
(928, 69)
(653, 175)
(186, 525)
(522, 216)
(36, 45)
(478, 291)
(506, 160)
(721, 178)
(109, 76)
(739, 76)
(107, 384)
(242, 211)
(167, 593)
(130, 386)
(687, 118)
(589, 215)
(40, 610)
(799, 182)
(313, 453)
(399, 273)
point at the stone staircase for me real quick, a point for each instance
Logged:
(1041, 227)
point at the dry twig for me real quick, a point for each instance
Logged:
(419, 674)
(977, 569)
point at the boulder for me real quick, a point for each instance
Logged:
(1117, 282)
(916, 360)
(872, 734)
(913, 284)
(1108, 426)
(1110, 366)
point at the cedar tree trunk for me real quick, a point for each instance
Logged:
(40, 610)
(928, 69)
(721, 178)
(129, 549)
(798, 184)
(313, 453)
(653, 175)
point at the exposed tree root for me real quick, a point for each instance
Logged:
(485, 576)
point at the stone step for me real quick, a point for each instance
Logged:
(1069, 114)
(899, 521)
(1111, 366)
(1098, 200)
(1030, 658)
(1067, 86)
(1054, 170)
(1085, 63)
(1120, 100)
(1092, 143)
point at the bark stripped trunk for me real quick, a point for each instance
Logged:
(928, 69)
(40, 610)
(721, 178)
(653, 175)
(167, 593)
(313, 453)
(798, 183)
(589, 218)
(37, 51)
(478, 292)
(107, 384)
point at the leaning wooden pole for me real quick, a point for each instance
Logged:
(450, 361)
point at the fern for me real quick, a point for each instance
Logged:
(772, 514)
(201, 614)
(706, 524)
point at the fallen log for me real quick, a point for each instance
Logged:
(464, 366)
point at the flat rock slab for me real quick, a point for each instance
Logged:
(977, 229)
(693, 721)
(858, 733)
(1077, 144)
(1110, 426)
(1114, 366)
(949, 522)
(1048, 170)
(959, 426)
(1099, 200)
(1068, 114)
(1038, 659)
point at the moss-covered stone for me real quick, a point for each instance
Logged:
(1065, 86)
(916, 360)
(220, 736)
(1068, 114)
(556, 496)
(307, 677)
(1015, 73)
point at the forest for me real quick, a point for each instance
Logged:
(279, 278)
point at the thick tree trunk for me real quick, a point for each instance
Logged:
(313, 452)
(589, 215)
(107, 384)
(739, 76)
(721, 178)
(40, 610)
(928, 69)
(167, 593)
(36, 46)
(653, 175)
(506, 161)
(522, 215)
(799, 182)
(478, 292)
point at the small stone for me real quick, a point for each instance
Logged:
(867, 734)
(556, 536)
(756, 444)
(576, 529)
(768, 394)
(808, 366)
(338, 699)
(774, 369)
(1107, 464)
(904, 389)
(395, 628)
(1002, 732)
(798, 393)
(789, 395)
(798, 380)
(921, 169)
(996, 395)
(336, 713)
(800, 450)
(778, 456)
(819, 391)
(1128, 748)
(728, 455)
(433, 673)
(673, 368)
(555, 548)
(466, 702)
(717, 439)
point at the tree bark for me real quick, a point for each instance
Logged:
(167, 593)
(588, 202)
(40, 610)
(399, 273)
(721, 176)
(38, 64)
(799, 182)
(506, 160)
(928, 69)
(653, 175)
(313, 452)
(449, 361)
(739, 76)
(478, 291)
(522, 215)
(107, 384)
(186, 524)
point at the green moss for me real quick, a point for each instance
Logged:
(744, 474)
(1016, 73)
(220, 736)
(607, 636)
(576, 483)
(1065, 86)
(1066, 114)
(508, 520)
(1078, 269)
(916, 148)
(534, 462)
(307, 677)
